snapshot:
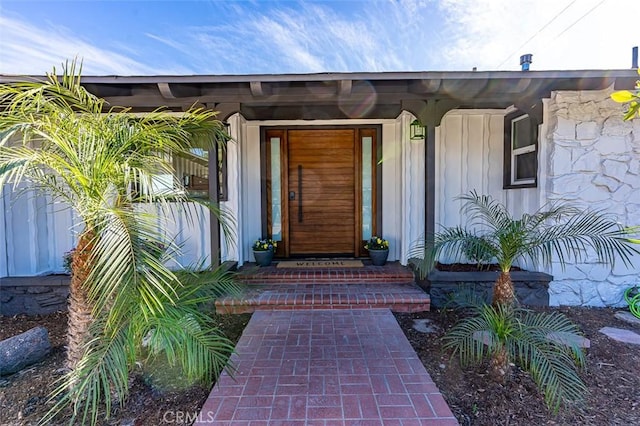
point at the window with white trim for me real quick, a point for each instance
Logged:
(521, 151)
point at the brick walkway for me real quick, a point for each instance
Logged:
(325, 367)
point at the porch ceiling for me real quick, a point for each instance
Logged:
(345, 95)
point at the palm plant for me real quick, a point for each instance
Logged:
(100, 161)
(502, 332)
(563, 233)
(545, 345)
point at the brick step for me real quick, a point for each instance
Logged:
(399, 297)
(391, 273)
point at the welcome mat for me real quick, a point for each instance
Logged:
(320, 264)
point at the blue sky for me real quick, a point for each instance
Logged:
(269, 37)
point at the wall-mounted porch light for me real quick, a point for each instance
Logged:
(416, 131)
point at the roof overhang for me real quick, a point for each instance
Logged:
(345, 95)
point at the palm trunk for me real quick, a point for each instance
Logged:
(504, 295)
(499, 367)
(80, 308)
(503, 291)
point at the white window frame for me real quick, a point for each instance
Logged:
(515, 152)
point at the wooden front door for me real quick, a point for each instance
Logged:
(322, 192)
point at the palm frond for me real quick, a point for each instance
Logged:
(101, 161)
(189, 337)
(573, 240)
(225, 217)
(543, 344)
(102, 373)
(450, 242)
(483, 210)
(559, 232)
(551, 361)
(467, 339)
(125, 264)
(184, 332)
(199, 285)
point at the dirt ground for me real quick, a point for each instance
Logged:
(23, 396)
(612, 375)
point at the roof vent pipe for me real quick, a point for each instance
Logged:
(634, 57)
(525, 61)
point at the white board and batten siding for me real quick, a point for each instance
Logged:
(38, 234)
(412, 172)
(469, 157)
(35, 234)
(26, 232)
(229, 246)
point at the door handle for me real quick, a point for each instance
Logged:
(292, 195)
(299, 193)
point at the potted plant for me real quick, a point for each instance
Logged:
(263, 250)
(378, 250)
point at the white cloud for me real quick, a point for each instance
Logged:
(485, 33)
(27, 49)
(167, 41)
(409, 35)
(401, 35)
(383, 36)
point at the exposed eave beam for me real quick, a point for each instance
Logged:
(104, 90)
(258, 89)
(311, 112)
(165, 91)
(225, 110)
(344, 88)
(425, 86)
(175, 91)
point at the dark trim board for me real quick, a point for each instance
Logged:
(333, 95)
(214, 198)
(430, 183)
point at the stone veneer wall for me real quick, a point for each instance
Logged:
(39, 295)
(593, 160)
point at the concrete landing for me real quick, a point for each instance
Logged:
(325, 367)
